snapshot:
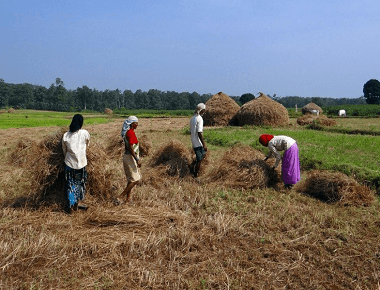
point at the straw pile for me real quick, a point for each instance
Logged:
(108, 111)
(220, 109)
(11, 110)
(44, 166)
(262, 111)
(335, 187)
(311, 106)
(309, 119)
(116, 146)
(174, 157)
(242, 167)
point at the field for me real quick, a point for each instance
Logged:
(181, 233)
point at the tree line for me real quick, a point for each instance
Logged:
(58, 98)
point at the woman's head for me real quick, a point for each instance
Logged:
(76, 123)
(265, 138)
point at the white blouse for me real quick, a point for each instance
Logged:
(74, 148)
(279, 143)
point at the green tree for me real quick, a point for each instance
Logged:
(371, 90)
(246, 98)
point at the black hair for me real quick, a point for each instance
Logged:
(76, 123)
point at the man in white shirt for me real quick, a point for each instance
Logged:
(199, 145)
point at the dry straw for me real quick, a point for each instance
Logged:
(262, 111)
(220, 110)
(44, 166)
(116, 146)
(175, 157)
(311, 106)
(108, 111)
(335, 187)
(242, 167)
(309, 119)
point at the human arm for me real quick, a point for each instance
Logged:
(276, 154)
(200, 135)
(64, 148)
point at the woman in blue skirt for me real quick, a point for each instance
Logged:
(74, 144)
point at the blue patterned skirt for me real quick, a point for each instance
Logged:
(75, 184)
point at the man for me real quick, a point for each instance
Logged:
(199, 145)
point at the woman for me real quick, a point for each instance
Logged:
(74, 144)
(291, 172)
(131, 160)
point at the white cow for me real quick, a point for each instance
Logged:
(342, 113)
(315, 112)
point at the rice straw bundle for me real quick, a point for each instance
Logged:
(175, 157)
(243, 167)
(335, 187)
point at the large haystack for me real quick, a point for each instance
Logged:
(311, 106)
(243, 167)
(262, 111)
(43, 163)
(335, 187)
(220, 109)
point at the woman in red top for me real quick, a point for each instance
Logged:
(131, 159)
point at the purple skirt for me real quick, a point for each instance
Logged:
(291, 172)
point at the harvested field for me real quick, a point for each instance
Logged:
(233, 228)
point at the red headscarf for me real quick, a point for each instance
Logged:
(264, 139)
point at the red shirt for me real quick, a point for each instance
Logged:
(131, 137)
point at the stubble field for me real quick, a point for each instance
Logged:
(180, 233)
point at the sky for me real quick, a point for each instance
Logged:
(306, 48)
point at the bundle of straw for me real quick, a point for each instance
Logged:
(335, 187)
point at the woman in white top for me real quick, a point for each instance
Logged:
(290, 168)
(74, 144)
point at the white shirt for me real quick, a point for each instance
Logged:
(74, 148)
(279, 143)
(196, 126)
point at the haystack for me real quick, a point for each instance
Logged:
(174, 157)
(311, 106)
(262, 111)
(108, 111)
(43, 163)
(220, 109)
(243, 167)
(335, 187)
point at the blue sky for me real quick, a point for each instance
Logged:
(323, 48)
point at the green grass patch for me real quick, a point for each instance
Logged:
(33, 118)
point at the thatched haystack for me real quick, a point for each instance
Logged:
(43, 163)
(108, 111)
(262, 111)
(335, 187)
(116, 146)
(309, 119)
(174, 157)
(243, 167)
(311, 106)
(11, 110)
(220, 109)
